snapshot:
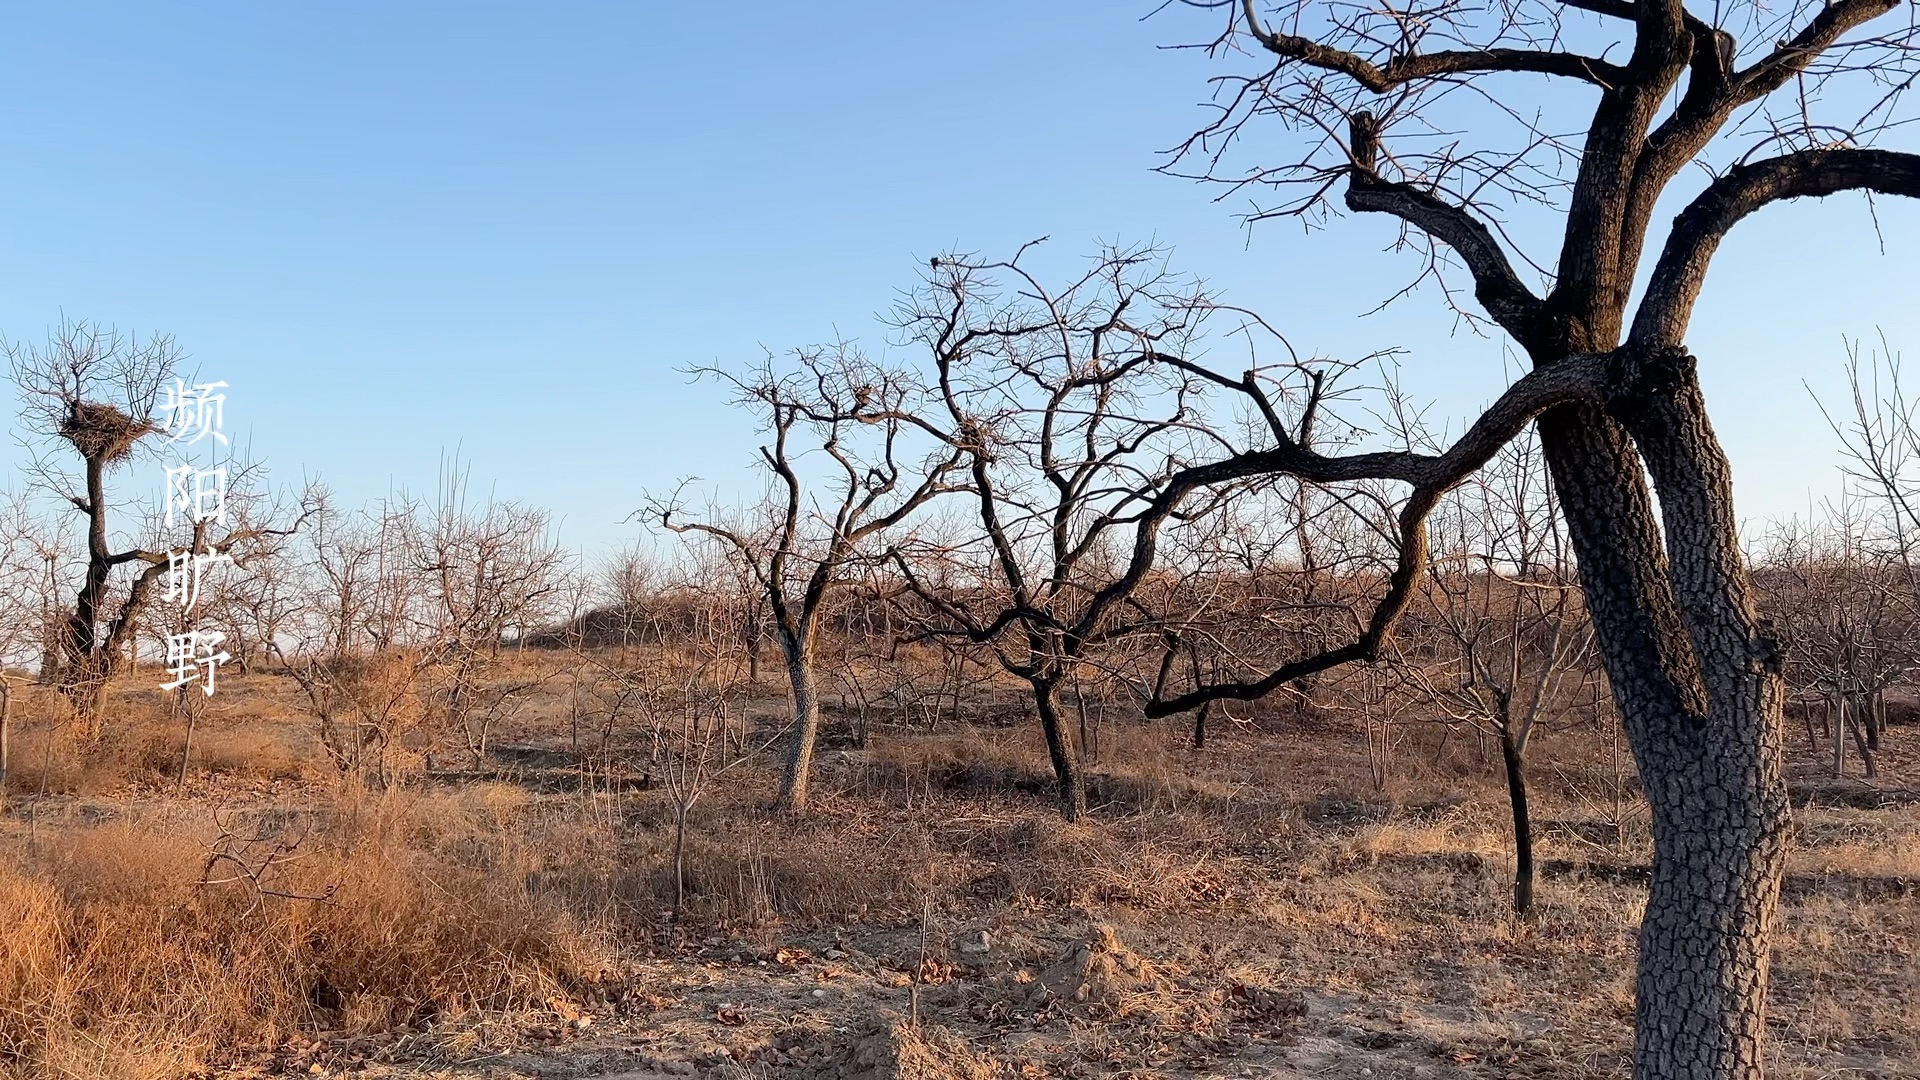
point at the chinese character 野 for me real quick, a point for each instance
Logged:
(194, 411)
(199, 494)
(189, 653)
(185, 571)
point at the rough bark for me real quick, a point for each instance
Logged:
(1061, 750)
(1694, 674)
(805, 699)
(1699, 694)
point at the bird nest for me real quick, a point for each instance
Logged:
(102, 432)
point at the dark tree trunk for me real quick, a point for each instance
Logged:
(1061, 749)
(679, 863)
(805, 700)
(1859, 721)
(186, 705)
(6, 733)
(1200, 725)
(1514, 755)
(1697, 684)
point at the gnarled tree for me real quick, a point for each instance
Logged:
(1657, 88)
(100, 392)
(802, 542)
(1071, 426)
(95, 390)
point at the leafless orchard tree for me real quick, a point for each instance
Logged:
(489, 570)
(354, 648)
(833, 404)
(210, 566)
(1071, 425)
(1842, 606)
(1879, 607)
(1501, 632)
(629, 582)
(1437, 119)
(97, 390)
(29, 557)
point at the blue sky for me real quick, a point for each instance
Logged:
(404, 230)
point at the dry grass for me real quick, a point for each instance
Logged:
(122, 963)
(1270, 861)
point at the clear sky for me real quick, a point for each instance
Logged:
(404, 230)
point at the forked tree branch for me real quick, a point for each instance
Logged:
(1581, 378)
(1496, 286)
(1409, 67)
(1668, 306)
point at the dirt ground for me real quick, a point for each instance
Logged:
(1279, 904)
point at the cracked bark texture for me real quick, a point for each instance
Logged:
(1695, 676)
(1062, 751)
(804, 696)
(1699, 693)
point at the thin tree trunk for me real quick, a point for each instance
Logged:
(679, 862)
(1858, 720)
(1514, 755)
(1080, 710)
(186, 747)
(6, 732)
(806, 724)
(1200, 725)
(959, 677)
(1062, 751)
(1840, 736)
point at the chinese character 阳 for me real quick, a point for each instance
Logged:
(199, 494)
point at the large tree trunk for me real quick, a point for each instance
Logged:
(806, 722)
(1699, 694)
(1062, 750)
(1719, 847)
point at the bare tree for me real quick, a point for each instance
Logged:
(489, 571)
(1842, 605)
(1872, 606)
(28, 554)
(1071, 425)
(1695, 676)
(99, 391)
(96, 390)
(798, 547)
(356, 650)
(1504, 630)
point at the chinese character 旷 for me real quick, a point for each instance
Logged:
(185, 572)
(199, 494)
(194, 411)
(189, 653)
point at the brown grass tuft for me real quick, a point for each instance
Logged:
(118, 961)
